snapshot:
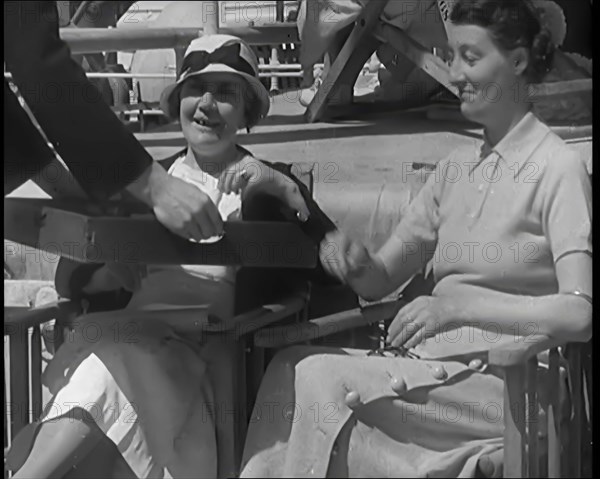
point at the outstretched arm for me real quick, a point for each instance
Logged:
(98, 149)
(374, 275)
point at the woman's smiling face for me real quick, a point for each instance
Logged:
(484, 74)
(212, 110)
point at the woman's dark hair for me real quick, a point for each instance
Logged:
(512, 24)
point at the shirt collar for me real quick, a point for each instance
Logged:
(520, 142)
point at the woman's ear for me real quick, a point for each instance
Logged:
(520, 60)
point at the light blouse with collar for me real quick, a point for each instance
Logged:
(499, 218)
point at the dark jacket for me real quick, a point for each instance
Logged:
(96, 146)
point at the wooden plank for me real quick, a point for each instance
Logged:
(554, 426)
(36, 374)
(415, 52)
(279, 336)
(7, 434)
(45, 225)
(514, 422)
(258, 318)
(265, 34)
(96, 40)
(17, 318)
(225, 358)
(577, 424)
(518, 352)
(357, 49)
(19, 380)
(532, 418)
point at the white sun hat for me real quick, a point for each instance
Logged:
(219, 54)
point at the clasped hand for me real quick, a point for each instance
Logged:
(350, 262)
(344, 258)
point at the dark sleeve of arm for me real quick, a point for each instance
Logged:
(70, 278)
(98, 149)
(316, 227)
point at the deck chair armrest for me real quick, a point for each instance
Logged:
(267, 314)
(25, 317)
(518, 352)
(286, 335)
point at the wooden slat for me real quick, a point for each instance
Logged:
(514, 422)
(225, 358)
(431, 64)
(577, 424)
(246, 323)
(52, 226)
(7, 435)
(36, 374)
(357, 49)
(554, 426)
(19, 381)
(96, 40)
(518, 352)
(21, 318)
(532, 419)
(278, 336)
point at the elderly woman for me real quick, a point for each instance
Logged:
(508, 229)
(131, 392)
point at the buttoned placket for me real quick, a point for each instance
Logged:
(484, 182)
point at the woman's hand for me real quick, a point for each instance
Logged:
(179, 206)
(424, 317)
(344, 258)
(250, 176)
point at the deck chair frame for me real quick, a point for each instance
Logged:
(232, 364)
(371, 30)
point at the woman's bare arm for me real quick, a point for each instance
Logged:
(560, 315)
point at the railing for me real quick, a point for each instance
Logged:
(289, 70)
(103, 40)
(23, 361)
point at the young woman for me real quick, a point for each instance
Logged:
(509, 231)
(131, 390)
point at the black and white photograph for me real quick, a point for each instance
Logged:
(298, 238)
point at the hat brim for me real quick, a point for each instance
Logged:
(262, 95)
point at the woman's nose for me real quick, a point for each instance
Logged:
(456, 73)
(207, 101)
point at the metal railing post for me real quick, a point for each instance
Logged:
(210, 17)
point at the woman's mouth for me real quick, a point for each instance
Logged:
(467, 94)
(205, 123)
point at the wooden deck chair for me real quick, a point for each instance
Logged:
(550, 444)
(235, 364)
(371, 30)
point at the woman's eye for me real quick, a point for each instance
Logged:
(470, 58)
